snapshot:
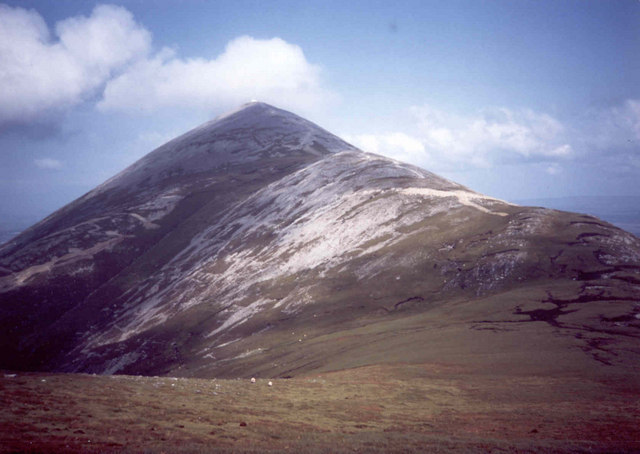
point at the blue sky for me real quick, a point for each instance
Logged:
(516, 99)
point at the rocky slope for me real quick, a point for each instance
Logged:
(261, 244)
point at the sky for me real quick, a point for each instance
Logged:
(512, 98)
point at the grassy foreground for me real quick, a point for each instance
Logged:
(392, 408)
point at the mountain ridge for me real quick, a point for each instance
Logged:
(112, 215)
(208, 255)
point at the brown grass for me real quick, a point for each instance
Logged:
(393, 408)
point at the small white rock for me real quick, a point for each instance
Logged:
(270, 384)
(253, 380)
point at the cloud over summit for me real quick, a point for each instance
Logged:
(109, 56)
(270, 70)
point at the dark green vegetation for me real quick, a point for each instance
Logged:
(399, 408)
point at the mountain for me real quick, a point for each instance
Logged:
(261, 244)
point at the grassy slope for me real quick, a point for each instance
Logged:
(549, 365)
(518, 332)
(469, 376)
(395, 408)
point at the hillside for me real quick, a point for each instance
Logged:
(261, 244)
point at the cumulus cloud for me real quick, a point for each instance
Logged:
(443, 140)
(398, 145)
(42, 73)
(493, 134)
(608, 138)
(270, 70)
(48, 163)
(108, 56)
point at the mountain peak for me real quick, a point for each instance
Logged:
(250, 108)
(255, 132)
(260, 115)
(208, 254)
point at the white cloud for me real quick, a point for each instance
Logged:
(270, 70)
(443, 141)
(397, 145)
(493, 134)
(40, 73)
(48, 163)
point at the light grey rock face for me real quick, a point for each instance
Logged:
(257, 140)
(249, 147)
(319, 219)
(260, 221)
(53, 267)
